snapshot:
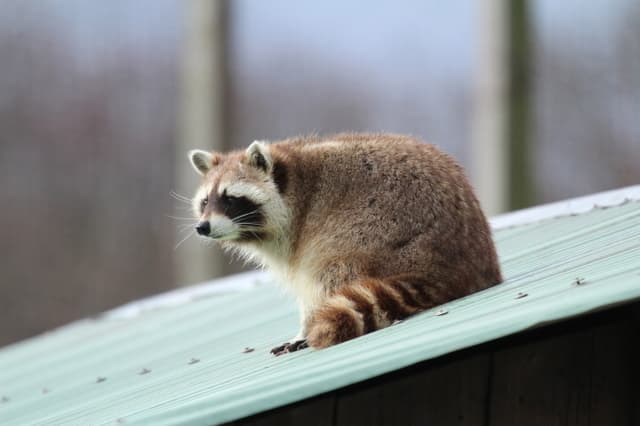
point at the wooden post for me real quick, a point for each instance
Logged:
(202, 121)
(519, 111)
(489, 144)
(501, 129)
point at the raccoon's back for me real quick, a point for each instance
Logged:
(384, 184)
(392, 201)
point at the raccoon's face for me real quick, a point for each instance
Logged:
(238, 199)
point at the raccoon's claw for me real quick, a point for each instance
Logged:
(279, 350)
(290, 347)
(298, 345)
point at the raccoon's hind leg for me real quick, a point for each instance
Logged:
(370, 304)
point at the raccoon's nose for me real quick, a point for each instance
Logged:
(203, 228)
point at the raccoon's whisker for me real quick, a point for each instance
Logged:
(255, 235)
(245, 223)
(249, 225)
(179, 197)
(182, 218)
(181, 200)
(184, 239)
(185, 226)
(244, 215)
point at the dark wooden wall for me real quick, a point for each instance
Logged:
(580, 372)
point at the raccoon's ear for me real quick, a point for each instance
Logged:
(202, 161)
(258, 155)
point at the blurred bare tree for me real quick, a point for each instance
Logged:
(588, 104)
(86, 161)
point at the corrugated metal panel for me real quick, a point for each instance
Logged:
(186, 364)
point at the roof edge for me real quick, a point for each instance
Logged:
(566, 207)
(231, 284)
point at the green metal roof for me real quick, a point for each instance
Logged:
(181, 359)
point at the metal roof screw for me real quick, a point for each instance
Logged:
(4, 399)
(247, 350)
(441, 312)
(144, 371)
(578, 281)
(101, 379)
(120, 420)
(45, 391)
(520, 295)
(194, 361)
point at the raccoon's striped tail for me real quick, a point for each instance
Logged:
(370, 304)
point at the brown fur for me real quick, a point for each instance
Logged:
(380, 227)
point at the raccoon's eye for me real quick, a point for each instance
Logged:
(203, 203)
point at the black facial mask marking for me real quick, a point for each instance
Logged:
(239, 209)
(280, 176)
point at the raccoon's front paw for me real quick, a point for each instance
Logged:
(290, 347)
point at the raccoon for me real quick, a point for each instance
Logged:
(364, 229)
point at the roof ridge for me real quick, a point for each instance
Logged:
(568, 207)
